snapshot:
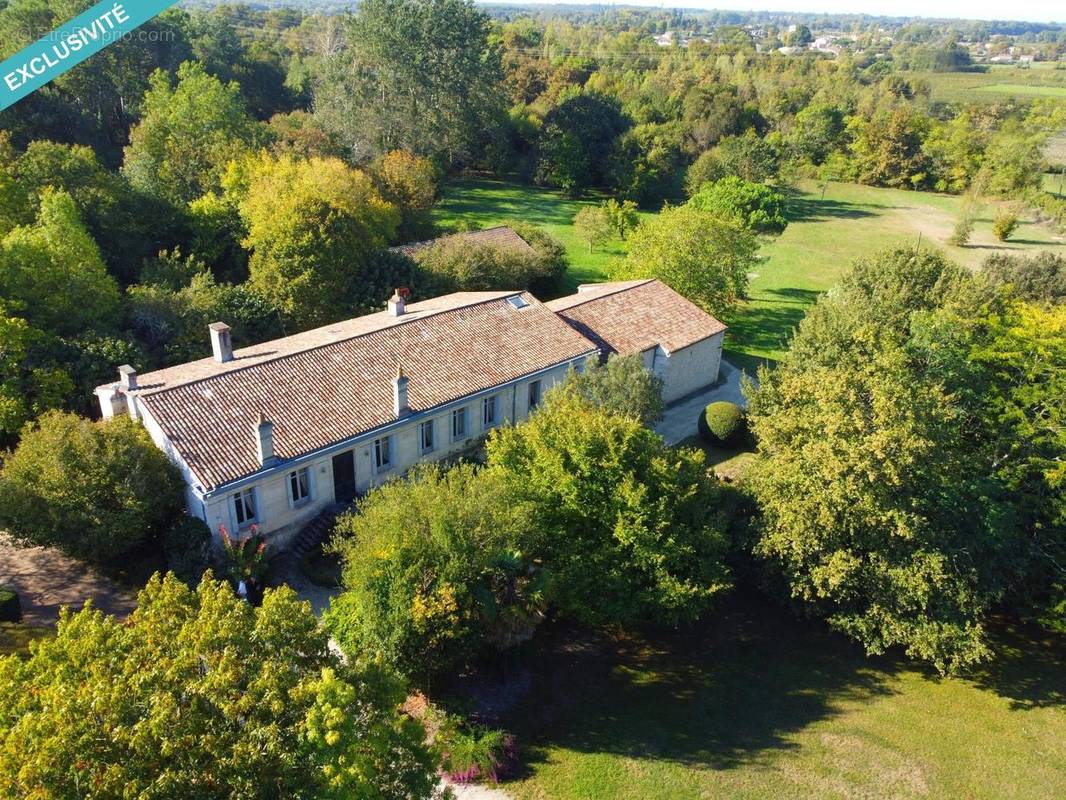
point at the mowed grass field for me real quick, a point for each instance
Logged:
(1001, 82)
(825, 235)
(759, 704)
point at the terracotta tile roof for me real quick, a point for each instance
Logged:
(632, 316)
(333, 383)
(501, 236)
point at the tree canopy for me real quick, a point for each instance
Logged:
(201, 695)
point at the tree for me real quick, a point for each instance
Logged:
(29, 384)
(52, 272)
(96, 490)
(623, 386)
(645, 165)
(753, 205)
(550, 252)
(312, 226)
(817, 131)
(409, 182)
(750, 156)
(1040, 277)
(188, 134)
(576, 140)
(622, 217)
(104, 201)
(201, 695)
(880, 505)
(1023, 351)
(421, 560)
(701, 256)
(593, 224)
(416, 75)
(886, 149)
(628, 528)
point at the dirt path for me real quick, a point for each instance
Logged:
(47, 580)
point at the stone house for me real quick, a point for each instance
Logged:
(274, 433)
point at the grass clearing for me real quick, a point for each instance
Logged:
(996, 85)
(759, 704)
(1015, 88)
(825, 235)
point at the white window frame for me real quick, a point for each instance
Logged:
(486, 404)
(381, 465)
(428, 425)
(292, 482)
(460, 413)
(534, 388)
(245, 496)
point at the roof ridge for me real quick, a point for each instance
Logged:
(633, 284)
(499, 295)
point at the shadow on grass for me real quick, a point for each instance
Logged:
(766, 322)
(1016, 675)
(717, 696)
(805, 208)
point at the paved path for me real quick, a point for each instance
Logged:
(679, 420)
(46, 580)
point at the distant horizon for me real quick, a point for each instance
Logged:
(1038, 11)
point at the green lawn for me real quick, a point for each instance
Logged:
(759, 704)
(823, 237)
(999, 83)
(16, 638)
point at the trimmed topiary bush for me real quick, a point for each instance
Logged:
(10, 605)
(722, 424)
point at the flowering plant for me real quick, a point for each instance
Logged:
(245, 557)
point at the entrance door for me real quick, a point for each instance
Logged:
(344, 477)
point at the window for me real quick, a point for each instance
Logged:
(534, 395)
(300, 486)
(244, 508)
(488, 412)
(382, 453)
(518, 302)
(425, 436)
(458, 424)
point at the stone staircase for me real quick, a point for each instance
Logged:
(287, 562)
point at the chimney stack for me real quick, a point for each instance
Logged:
(399, 394)
(221, 344)
(128, 376)
(264, 431)
(397, 304)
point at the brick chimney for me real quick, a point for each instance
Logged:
(221, 344)
(399, 394)
(264, 432)
(397, 304)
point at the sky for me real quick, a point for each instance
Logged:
(1028, 10)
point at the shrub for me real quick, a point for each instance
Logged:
(244, 558)
(187, 547)
(1040, 277)
(10, 605)
(722, 424)
(470, 754)
(621, 386)
(960, 236)
(1005, 225)
(95, 490)
(753, 205)
(426, 581)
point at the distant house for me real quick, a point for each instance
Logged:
(502, 237)
(273, 433)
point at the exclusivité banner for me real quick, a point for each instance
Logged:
(70, 44)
